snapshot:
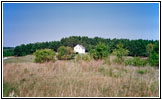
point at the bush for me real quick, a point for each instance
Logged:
(154, 55)
(44, 55)
(117, 60)
(149, 49)
(65, 53)
(85, 57)
(154, 59)
(136, 61)
(119, 52)
(101, 51)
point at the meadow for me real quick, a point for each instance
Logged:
(70, 78)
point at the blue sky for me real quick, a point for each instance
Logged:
(25, 23)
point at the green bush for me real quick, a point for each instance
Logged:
(101, 51)
(44, 55)
(117, 60)
(85, 57)
(154, 59)
(119, 52)
(65, 53)
(154, 55)
(136, 61)
(149, 49)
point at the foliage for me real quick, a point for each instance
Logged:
(119, 52)
(154, 55)
(149, 49)
(135, 47)
(101, 51)
(8, 52)
(21, 50)
(138, 47)
(85, 57)
(154, 59)
(44, 55)
(65, 53)
(136, 61)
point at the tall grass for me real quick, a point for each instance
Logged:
(136, 61)
(80, 79)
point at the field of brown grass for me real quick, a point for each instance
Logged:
(81, 79)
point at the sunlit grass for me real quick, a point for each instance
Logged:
(80, 79)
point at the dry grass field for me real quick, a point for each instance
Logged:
(79, 79)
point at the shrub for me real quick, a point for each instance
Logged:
(119, 52)
(136, 61)
(44, 55)
(149, 49)
(85, 57)
(154, 59)
(65, 53)
(154, 55)
(117, 60)
(101, 51)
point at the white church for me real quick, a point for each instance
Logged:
(79, 49)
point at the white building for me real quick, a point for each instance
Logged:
(79, 48)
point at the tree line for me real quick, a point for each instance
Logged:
(8, 51)
(135, 47)
(102, 52)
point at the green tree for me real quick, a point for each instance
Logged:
(65, 53)
(17, 51)
(119, 52)
(101, 51)
(44, 55)
(7, 52)
(135, 47)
